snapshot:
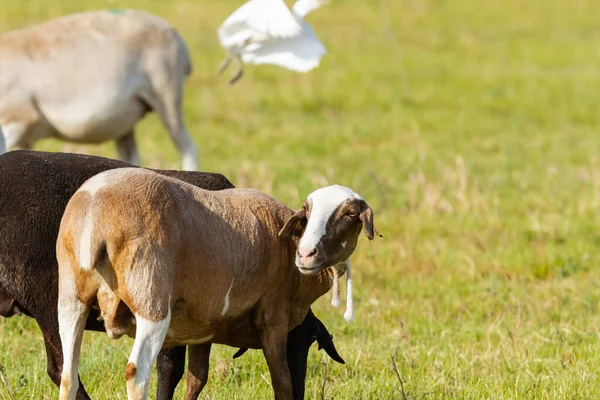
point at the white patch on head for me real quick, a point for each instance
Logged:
(226, 305)
(324, 202)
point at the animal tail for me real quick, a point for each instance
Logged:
(92, 246)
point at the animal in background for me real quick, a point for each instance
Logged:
(267, 32)
(90, 77)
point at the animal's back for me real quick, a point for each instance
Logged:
(59, 36)
(202, 224)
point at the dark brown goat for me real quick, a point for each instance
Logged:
(35, 188)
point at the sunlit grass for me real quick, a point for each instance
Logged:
(470, 127)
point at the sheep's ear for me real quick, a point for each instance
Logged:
(240, 352)
(325, 341)
(367, 220)
(295, 225)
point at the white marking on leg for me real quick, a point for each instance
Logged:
(324, 203)
(349, 314)
(2, 142)
(72, 315)
(335, 292)
(13, 133)
(226, 305)
(149, 338)
(189, 157)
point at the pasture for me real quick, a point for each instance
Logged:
(472, 130)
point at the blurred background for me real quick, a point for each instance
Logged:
(472, 130)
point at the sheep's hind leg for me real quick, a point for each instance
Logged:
(72, 315)
(170, 366)
(149, 338)
(199, 357)
(54, 357)
(168, 103)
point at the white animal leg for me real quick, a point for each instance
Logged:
(2, 142)
(13, 135)
(72, 315)
(168, 104)
(127, 149)
(149, 338)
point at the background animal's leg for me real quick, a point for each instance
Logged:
(72, 315)
(149, 338)
(127, 148)
(240, 71)
(225, 62)
(2, 142)
(14, 136)
(274, 342)
(170, 368)
(168, 104)
(197, 376)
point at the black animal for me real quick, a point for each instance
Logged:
(34, 190)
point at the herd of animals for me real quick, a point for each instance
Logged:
(177, 260)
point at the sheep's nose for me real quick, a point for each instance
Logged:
(306, 253)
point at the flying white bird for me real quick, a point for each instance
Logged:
(267, 32)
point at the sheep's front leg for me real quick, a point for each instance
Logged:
(149, 338)
(170, 368)
(2, 142)
(274, 343)
(199, 358)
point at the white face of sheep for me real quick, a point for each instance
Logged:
(329, 223)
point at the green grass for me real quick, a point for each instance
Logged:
(471, 128)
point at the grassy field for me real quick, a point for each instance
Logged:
(471, 128)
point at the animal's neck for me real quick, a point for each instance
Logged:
(310, 288)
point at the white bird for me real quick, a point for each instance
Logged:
(267, 32)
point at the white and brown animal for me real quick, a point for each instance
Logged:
(171, 264)
(90, 77)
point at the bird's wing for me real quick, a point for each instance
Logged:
(303, 7)
(258, 20)
(300, 53)
(274, 19)
(234, 30)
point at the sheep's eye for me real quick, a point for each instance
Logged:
(351, 215)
